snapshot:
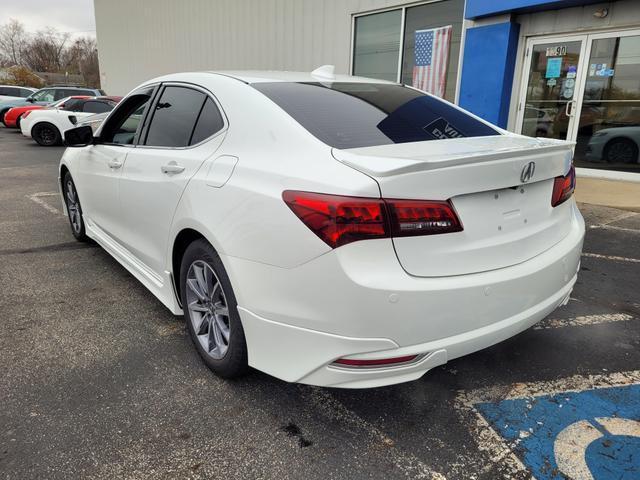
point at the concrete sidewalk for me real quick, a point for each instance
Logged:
(610, 193)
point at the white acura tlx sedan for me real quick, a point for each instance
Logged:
(328, 230)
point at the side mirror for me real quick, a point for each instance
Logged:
(79, 137)
(29, 99)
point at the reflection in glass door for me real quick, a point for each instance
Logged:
(608, 134)
(551, 90)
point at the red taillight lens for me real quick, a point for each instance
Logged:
(378, 362)
(410, 218)
(563, 187)
(339, 220)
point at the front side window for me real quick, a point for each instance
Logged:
(44, 96)
(25, 93)
(352, 115)
(124, 125)
(174, 117)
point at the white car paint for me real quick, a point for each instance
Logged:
(55, 116)
(304, 304)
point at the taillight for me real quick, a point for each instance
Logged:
(416, 217)
(339, 220)
(563, 187)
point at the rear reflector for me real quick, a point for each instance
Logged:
(339, 220)
(563, 187)
(379, 362)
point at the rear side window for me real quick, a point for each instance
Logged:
(209, 122)
(25, 93)
(351, 115)
(96, 107)
(174, 117)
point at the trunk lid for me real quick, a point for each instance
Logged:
(506, 220)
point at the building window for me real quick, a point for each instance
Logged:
(417, 46)
(377, 45)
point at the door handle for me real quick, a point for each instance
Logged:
(115, 164)
(172, 167)
(569, 109)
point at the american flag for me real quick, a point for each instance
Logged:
(431, 58)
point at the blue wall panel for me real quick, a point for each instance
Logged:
(487, 71)
(484, 8)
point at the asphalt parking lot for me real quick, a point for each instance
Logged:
(99, 380)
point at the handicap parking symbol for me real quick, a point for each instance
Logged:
(586, 435)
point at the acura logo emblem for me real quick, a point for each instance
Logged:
(527, 172)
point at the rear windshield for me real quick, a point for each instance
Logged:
(351, 115)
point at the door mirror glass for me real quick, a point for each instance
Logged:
(79, 137)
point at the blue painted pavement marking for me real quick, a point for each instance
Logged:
(592, 434)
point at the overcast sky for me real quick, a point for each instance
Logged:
(73, 16)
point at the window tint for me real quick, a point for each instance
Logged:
(25, 93)
(352, 115)
(174, 117)
(124, 124)
(93, 106)
(4, 91)
(209, 122)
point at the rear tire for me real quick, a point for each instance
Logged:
(18, 122)
(74, 210)
(211, 311)
(2, 113)
(46, 134)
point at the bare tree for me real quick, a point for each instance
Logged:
(82, 58)
(13, 40)
(45, 51)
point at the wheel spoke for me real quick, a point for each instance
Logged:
(196, 306)
(214, 331)
(200, 277)
(220, 309)
(223, 328)
(192, 283)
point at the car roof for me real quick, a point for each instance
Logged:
(262, 76)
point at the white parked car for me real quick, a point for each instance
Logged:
(329, 230)
(13, 92)
(48, 126)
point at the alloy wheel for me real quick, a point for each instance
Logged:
(47, 135)
(208, 309)
(73, 207)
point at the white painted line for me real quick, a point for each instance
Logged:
(410, 465)
(502, 451)
(581, 321)
(613, 227)
(611, 257)
(617, 218)
(36, 198)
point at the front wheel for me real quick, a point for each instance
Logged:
(46, 134)
(211, 311)
(74, 210)
(621, 150)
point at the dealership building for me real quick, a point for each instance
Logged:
(565, 69)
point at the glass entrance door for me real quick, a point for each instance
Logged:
(553, 70)
(608, 133)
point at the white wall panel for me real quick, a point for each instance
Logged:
(141, 39)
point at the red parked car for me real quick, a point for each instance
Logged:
(13, 116)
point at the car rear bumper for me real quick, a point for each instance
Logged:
(357, 302)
